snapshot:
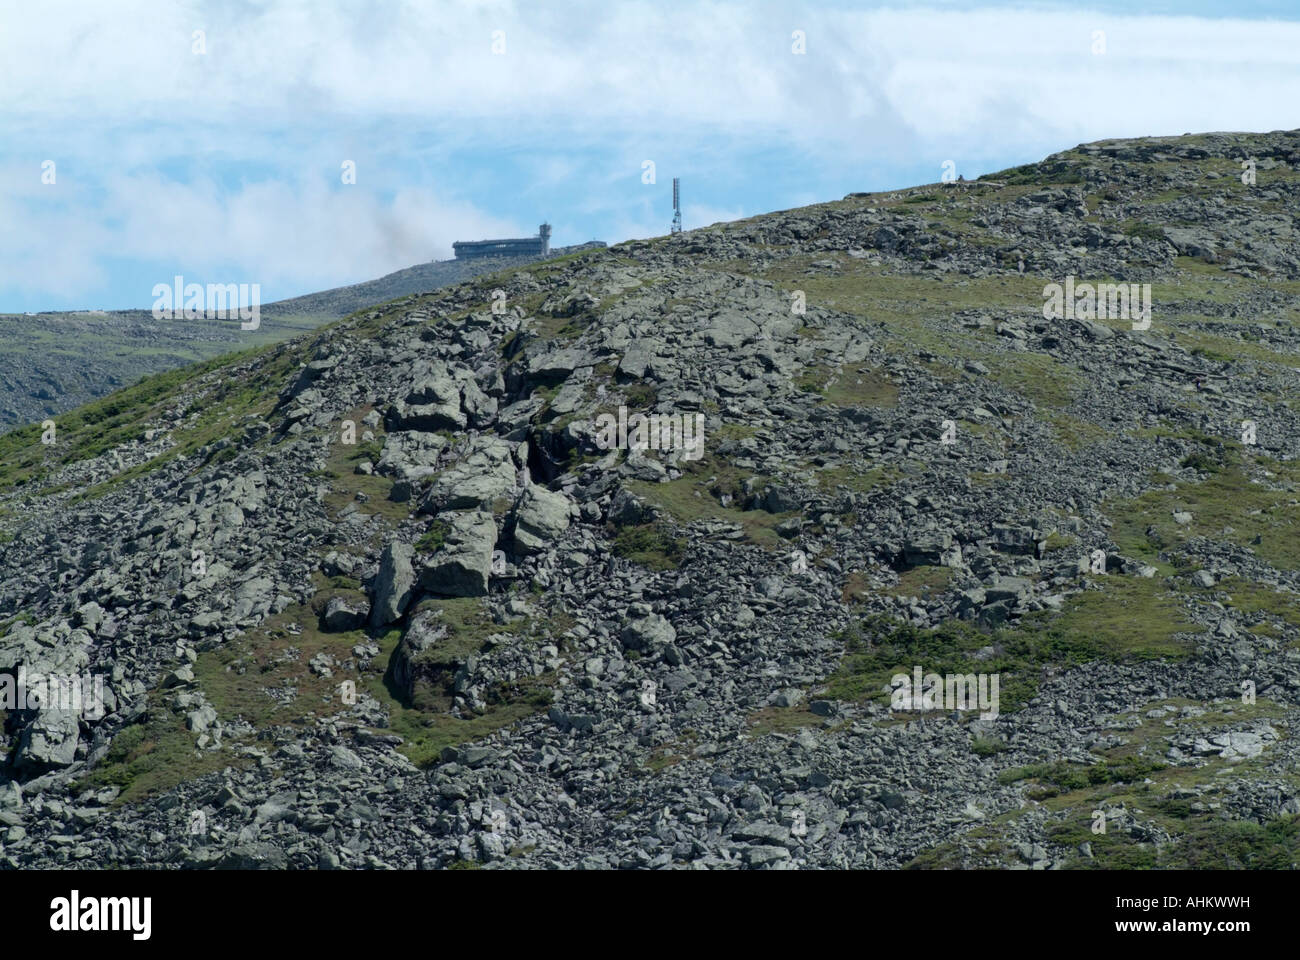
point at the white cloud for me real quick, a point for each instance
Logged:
(289, 88)
(585, 64)
(289, 237)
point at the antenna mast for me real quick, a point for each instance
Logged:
(677, 205)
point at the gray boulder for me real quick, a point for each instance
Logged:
(540, 518)
(462, 566)
(647, 633)
(342, 614)
(393, 585)
(50, 740)
(486, 474)
(927, 548)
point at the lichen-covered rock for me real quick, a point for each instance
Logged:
(541, 517)
(392, 591)
(462, 566)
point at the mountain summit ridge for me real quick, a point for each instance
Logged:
(380, 597)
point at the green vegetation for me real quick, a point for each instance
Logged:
(57, 358)
(1225, 505)
(1132, 780)
(1043, 379)
(1257, 601)
(223, 403)
(97, 427)
(21, 617)
(1199, 842)
(154, 755)
(1075, 434)
(856, 386)
(640, 396)
(1059, 541)
(370, 492)
(1202, 842)
(667, 755)
(1124, 619)
(651, 545)
(696, 496)
(921, 582)
(859, 481)
(1145, 231)
(783, 720)
(1035, 174)
(239, 678)
(1062, 776)
(434, 539)
(265, 678)
(426, 734)
(699, 492)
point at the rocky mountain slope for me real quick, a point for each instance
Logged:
(381, 597)
(420, 278)
(54, 362)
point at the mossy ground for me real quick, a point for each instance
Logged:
(922, 582)
(783, 720)
(1122, 619)
(849, 385)
(653, 545)
(264, 678)
(1231, 500)
(698, 494)
(155, 754)
(98, 427)
(1136, 778)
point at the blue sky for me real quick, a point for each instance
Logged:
(223, 164)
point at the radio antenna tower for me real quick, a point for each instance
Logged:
(677, 205)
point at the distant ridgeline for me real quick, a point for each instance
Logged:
(52, 362)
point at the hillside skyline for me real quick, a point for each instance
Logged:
(215, 142)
